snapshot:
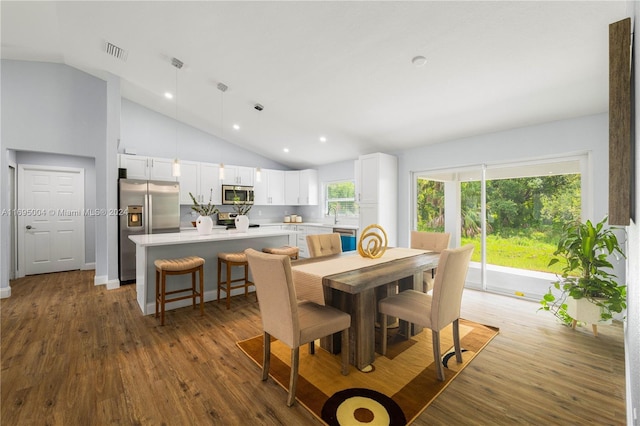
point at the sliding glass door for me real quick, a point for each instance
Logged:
(512, 213)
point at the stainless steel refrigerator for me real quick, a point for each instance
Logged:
(152, 207)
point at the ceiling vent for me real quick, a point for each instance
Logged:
(115, 51)
(222, 87)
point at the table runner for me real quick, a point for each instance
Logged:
(307, 278)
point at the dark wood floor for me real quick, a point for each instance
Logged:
(76, 354)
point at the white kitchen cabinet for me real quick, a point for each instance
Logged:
(301, 187)
(308, 187)
(199, 179)
(270, 189)
(147, 168)
(238, 175)
(303, 231)
(377, 177)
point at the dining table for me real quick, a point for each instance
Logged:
(353, 284)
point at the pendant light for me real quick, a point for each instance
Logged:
(223, 88)
(259, 108)
(175, 167)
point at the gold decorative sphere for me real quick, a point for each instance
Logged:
(372, 242)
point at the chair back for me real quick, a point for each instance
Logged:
(435, 241)
(276, 295)
(324, 244)
(449, 283)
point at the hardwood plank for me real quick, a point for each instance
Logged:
(74, 353)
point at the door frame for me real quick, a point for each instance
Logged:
(20, 273)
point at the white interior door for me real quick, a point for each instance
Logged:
(50, 219)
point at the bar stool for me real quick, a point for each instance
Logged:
(231, 260)
(185, 265)
(292, 252)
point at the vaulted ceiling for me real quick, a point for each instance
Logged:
(339, 70)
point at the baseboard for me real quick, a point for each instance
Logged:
(5, 292)
(113, 284)
(88, 266)
(209, 296)
(100, 279)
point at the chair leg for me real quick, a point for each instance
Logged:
(246, 280)
(163, 295)
(436, 354)
(312, 347)
(201, 272)
(228, 285)
(383, 329)
(157, 292)
(193, 289)
(266, 355)
(456, 341)
(345, 352)
(293, 379)
(219, 277)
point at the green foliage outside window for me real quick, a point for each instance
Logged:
(341, 196)
(525, 216)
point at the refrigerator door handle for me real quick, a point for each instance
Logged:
(150, 215)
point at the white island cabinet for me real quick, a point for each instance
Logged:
(151, 247)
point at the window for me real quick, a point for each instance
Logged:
(340, 199)
(512, 213)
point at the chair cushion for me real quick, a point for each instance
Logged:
(410, 305)
(233, 257)
(286, 250)
(318, 321)
(181, 264)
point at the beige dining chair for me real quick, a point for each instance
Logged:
(292, 322)
(434, 241)
(324, 244)
(434, 311)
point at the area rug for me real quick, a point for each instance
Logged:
(401, 386)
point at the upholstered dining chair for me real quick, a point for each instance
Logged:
(292, 322)
(434, 241)
(324, 244)
(434, 311)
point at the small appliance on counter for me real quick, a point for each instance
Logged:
(229, 220)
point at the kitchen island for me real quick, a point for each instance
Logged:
(151, 247)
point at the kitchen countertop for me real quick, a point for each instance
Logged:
(192, 236)
(326, 225)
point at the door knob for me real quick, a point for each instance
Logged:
(30, 227)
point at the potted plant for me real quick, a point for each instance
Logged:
(585, 278)
(204, 223)
(241, 219)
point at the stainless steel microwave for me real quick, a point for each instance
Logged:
(234, 194)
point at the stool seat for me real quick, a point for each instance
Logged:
(230, 260)
(292, 252)
(185, 265)
(179, 264)
(233, 257)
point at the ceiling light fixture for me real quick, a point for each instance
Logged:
(175, 168)
(236, 127)
(419, 61)
(286, 150)
(259, 108)
(323, 139)
(168, 95)
(222, 88)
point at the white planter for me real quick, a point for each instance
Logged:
(204, 224)
(242, 223)
(584, 311)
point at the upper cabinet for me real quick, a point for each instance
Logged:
(301, 187)
(238, 175)
(199, 179)
(146, 168)
(270, 189)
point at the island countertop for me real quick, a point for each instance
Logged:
(188, 237)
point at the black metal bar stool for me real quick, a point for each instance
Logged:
(185, 265)
(230, 260)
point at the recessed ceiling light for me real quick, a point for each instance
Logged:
(236, 127)
(419, 61)
(323, 139)
(286, 150)
(168, 95)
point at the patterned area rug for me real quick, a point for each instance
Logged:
(401, 386)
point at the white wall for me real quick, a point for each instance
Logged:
(632, 329)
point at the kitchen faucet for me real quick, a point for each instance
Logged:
(335, 214)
